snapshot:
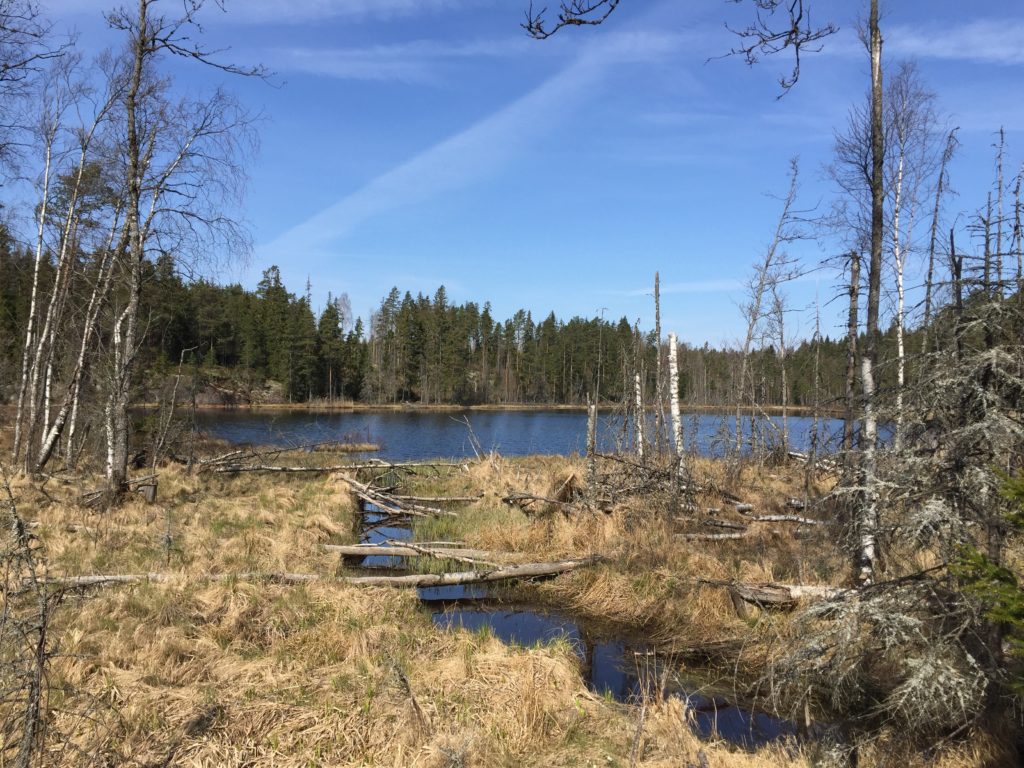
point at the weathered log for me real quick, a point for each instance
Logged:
(391, 504)
(440, 499)
(468, 559)
(406, 549)
(236, 468)
(786, 519)
(779, 518)
(773, 595)
(503, 573)
(712, 536)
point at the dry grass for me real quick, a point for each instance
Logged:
(200, 673)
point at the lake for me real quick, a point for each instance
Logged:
(412, 435)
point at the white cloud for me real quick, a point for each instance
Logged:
(413, 62)
(285, 12)
(982, 41)
(472, 154)
(988, 41)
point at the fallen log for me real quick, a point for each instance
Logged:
(781, 518)
(774, 595)
(787, 519)
(468, 559)
(440, 499)
(405, 549)
(712, 536)
(236, 468)
(232, 469)
(503, 573)
(391, 504)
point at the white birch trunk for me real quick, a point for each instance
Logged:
(19, 420)
(677, 419)
(898, 259)
(639, 423)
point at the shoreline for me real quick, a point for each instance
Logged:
(725, 410)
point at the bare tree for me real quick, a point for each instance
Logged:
(941, 187)
(911, 122)
(773, 268)
(179, 163)
(764, 36)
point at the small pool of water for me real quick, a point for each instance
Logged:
(613, 667)
(373, 532)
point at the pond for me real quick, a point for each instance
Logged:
(412, 435)
(612, 664)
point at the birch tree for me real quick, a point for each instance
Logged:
(911, 159)
(180, 163)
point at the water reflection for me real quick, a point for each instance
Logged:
(612, 667)
(419, 435)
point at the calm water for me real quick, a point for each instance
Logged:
(418, 435)
(610, 665)
(612, 668)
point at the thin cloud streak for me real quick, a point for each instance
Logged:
(472, 154)
(413, 62)
(983, 41)
(989, 41)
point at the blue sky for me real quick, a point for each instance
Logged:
(421, 142)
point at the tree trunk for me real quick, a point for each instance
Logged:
(933, 240)
(677, 419)
(639, 424)
(867, 549)
(30, 341)
(898, 258)
(125, 331)
(852, 325)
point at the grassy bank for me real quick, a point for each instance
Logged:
(199, 671)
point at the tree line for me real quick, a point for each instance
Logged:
(417, 349)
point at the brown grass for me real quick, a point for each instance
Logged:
(201, 673)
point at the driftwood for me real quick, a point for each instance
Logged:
(503, 573)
